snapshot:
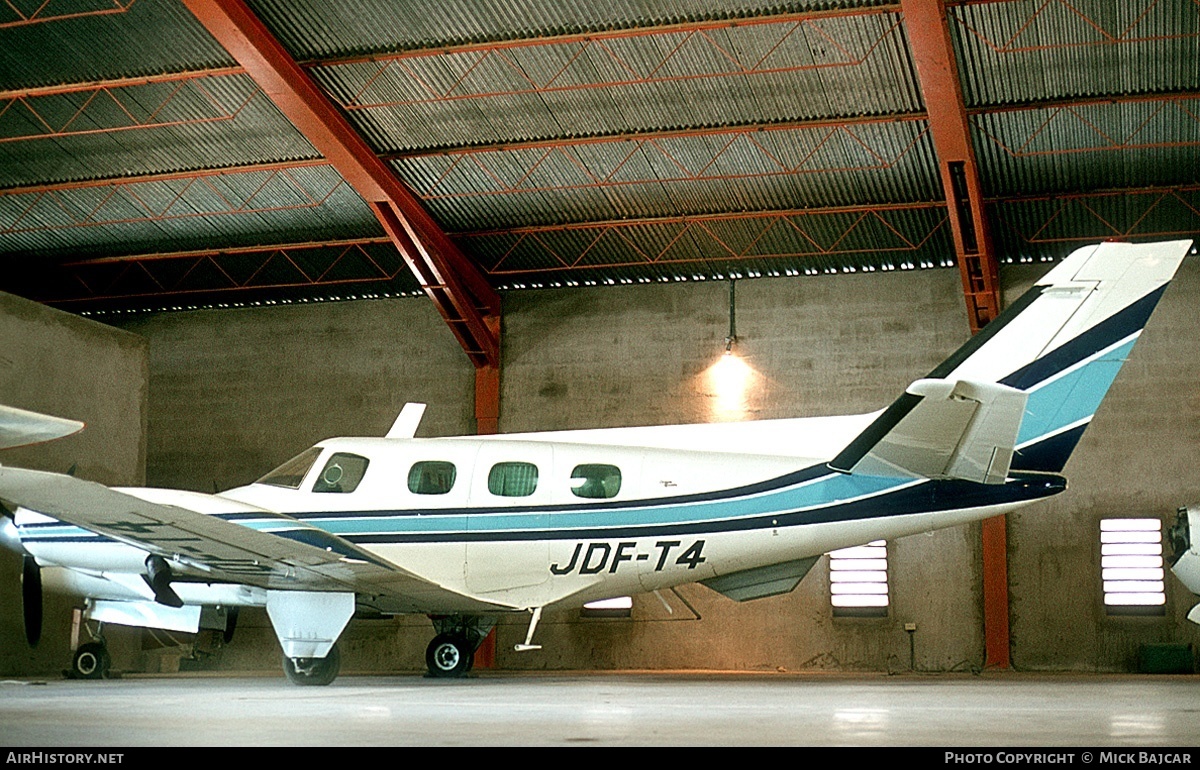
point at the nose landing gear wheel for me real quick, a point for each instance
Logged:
(91, 661)
(449, 656)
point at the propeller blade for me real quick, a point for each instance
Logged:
(31, 599)
(231, 619)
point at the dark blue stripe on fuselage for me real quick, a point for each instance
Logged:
(924, 497)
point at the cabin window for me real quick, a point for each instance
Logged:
(1131, 567)
(513, 479)
(342, 473)
(431, 477)
(595, 481)
(858, 584)
(291, 473)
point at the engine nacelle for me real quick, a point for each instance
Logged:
(1185, 550)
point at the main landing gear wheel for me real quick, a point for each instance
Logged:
(449, 656)
(91, 661)
(315, 672)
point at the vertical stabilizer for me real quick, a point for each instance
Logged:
(1020, 393)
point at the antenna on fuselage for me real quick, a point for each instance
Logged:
(407, 421)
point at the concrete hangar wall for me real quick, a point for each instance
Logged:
(62, 364)
(234, 392)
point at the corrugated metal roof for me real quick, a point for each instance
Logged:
(761, 73)
(630, 141)
(1017, 52)
(314, 29)
(1089, 146)
(211, 122)
(148, 38)
(681, 174)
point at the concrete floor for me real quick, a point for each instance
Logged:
(642, 709)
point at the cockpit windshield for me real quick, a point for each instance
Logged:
(291, 473)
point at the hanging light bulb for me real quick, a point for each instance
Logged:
(732, 336)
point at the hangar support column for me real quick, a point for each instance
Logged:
(933, 55)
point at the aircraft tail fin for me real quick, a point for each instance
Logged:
(1020, 393)
(19, 427)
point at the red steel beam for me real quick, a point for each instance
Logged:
(1086, 101)
(90, 86)
(165, 176)
(998, 204)
(929, 38)
(457, 288)
(199, 253)
(174, 283)
(933, 55)
(116, 105)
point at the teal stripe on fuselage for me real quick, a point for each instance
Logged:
(823, 492)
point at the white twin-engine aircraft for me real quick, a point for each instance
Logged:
(464, 529)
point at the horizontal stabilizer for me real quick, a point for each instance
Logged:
(941, 429)
(19, 427)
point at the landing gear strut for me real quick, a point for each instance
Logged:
(90, 659)
(313, 671)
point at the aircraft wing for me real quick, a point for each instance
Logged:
(292, 555)
(941, 429)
